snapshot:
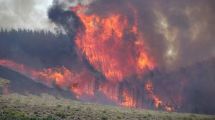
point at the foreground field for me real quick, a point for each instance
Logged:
(46, 107)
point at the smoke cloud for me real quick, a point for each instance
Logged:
(28, 14)
(178, 35)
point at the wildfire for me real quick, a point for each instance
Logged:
(128, 101)
(83, 84)
(110, 90)
(158, 103)
(113, 45)
(78, 83)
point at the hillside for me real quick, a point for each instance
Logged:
(21, 84)
(46, 107)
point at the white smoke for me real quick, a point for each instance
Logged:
(25, 14)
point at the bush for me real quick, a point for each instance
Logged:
(13, 115)
(104, 118)
(61, 115)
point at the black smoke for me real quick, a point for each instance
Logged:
(187, 26)
(179, 33)
(64, 18)
(180, 37)
(70, 23)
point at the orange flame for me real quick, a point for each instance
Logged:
(113, 46)
(79, 84)
(157, 101)
(110, 90)
(128, 100)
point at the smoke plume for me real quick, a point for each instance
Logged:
(145, 54)
(28, 14)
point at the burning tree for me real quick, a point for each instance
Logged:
(108, 58)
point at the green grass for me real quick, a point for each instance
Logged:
(46, 107)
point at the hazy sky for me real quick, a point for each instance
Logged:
(31, 14)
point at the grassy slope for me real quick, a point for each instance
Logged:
(46, 107)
